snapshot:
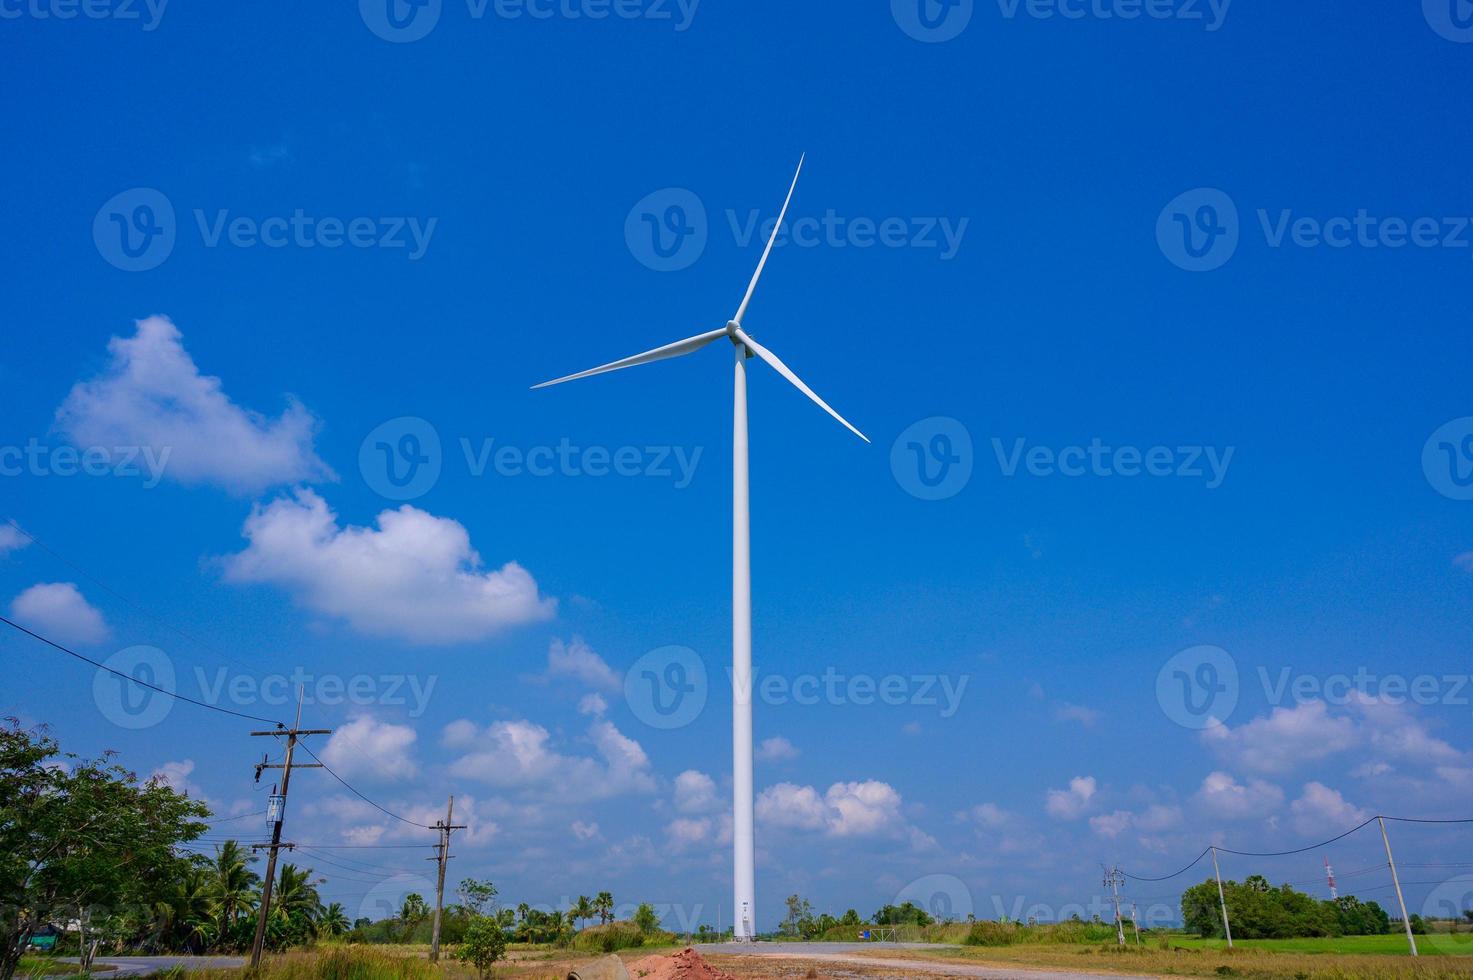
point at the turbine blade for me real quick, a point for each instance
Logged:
(752, 286)
(777, 365)
(676, 349)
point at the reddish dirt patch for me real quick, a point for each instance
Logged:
(684, 965)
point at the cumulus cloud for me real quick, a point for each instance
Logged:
(1073, 802)
(175, 775)
(365, 748)
(1224, 797)
(59, 611)
(151, 395)
(1111, 824)
(695, 792)
(1284, 739)
(1321, 810)
(584, 831)
(519, 755)
(579, 661)
(413, 577)
(859, 809)
(459, 734)
(11, 540)
(593, 704)
(1064, 711)
(776, 749)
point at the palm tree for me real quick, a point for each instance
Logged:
(295, 903)
(231, 886)
(603, 907)
(334, 921)
(582, 909)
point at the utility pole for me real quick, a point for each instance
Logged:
(276, 813)
(1135, 920)
(1226, 928)
(1405, 919)
(442, 855)
(1114, 878)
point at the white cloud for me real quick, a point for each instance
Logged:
(1223, 797)
(59, 611)
(695, 792)
(1111, 824)
(593, 704)
(11, 540)
(860, 809)
(175, 775)
(584, 831)
(368, 749)
(579, 661)
(518, 755)
(1322, 810)
(152, 395)
(1284, 739)
(685, 831)
(414, 577)
(1064, 711)
(776, 749)
(1071, 803)
(459, 734)
(1158, 817)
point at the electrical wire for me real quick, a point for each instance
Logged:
(326, 768)
(152, 687)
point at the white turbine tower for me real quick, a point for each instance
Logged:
(743, 847)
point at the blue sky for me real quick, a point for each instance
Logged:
(1035, 177)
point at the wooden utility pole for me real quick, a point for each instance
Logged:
(1113, 880)
(1222, 899)
(286, 766)
(1405, 919)
(442, 855)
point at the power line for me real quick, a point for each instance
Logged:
(132, 679)
(365, 799)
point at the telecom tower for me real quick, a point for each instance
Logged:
(1330, 876)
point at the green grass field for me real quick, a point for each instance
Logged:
(1394, 944)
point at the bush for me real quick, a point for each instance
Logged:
(989, 933)
(483, 945)
(615, 936)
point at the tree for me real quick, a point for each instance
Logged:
(851, 918)
(478, 895)
(582, 909)
(295, 908)
(799, 920)
(413, 912)
(232, 888)
(645, 919)
(483, 945)
(908, 913)
(603, 907)
(333, 922)
(81, 836)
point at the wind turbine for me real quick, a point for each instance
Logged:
(744, 870)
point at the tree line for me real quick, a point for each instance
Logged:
(1258, 910)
